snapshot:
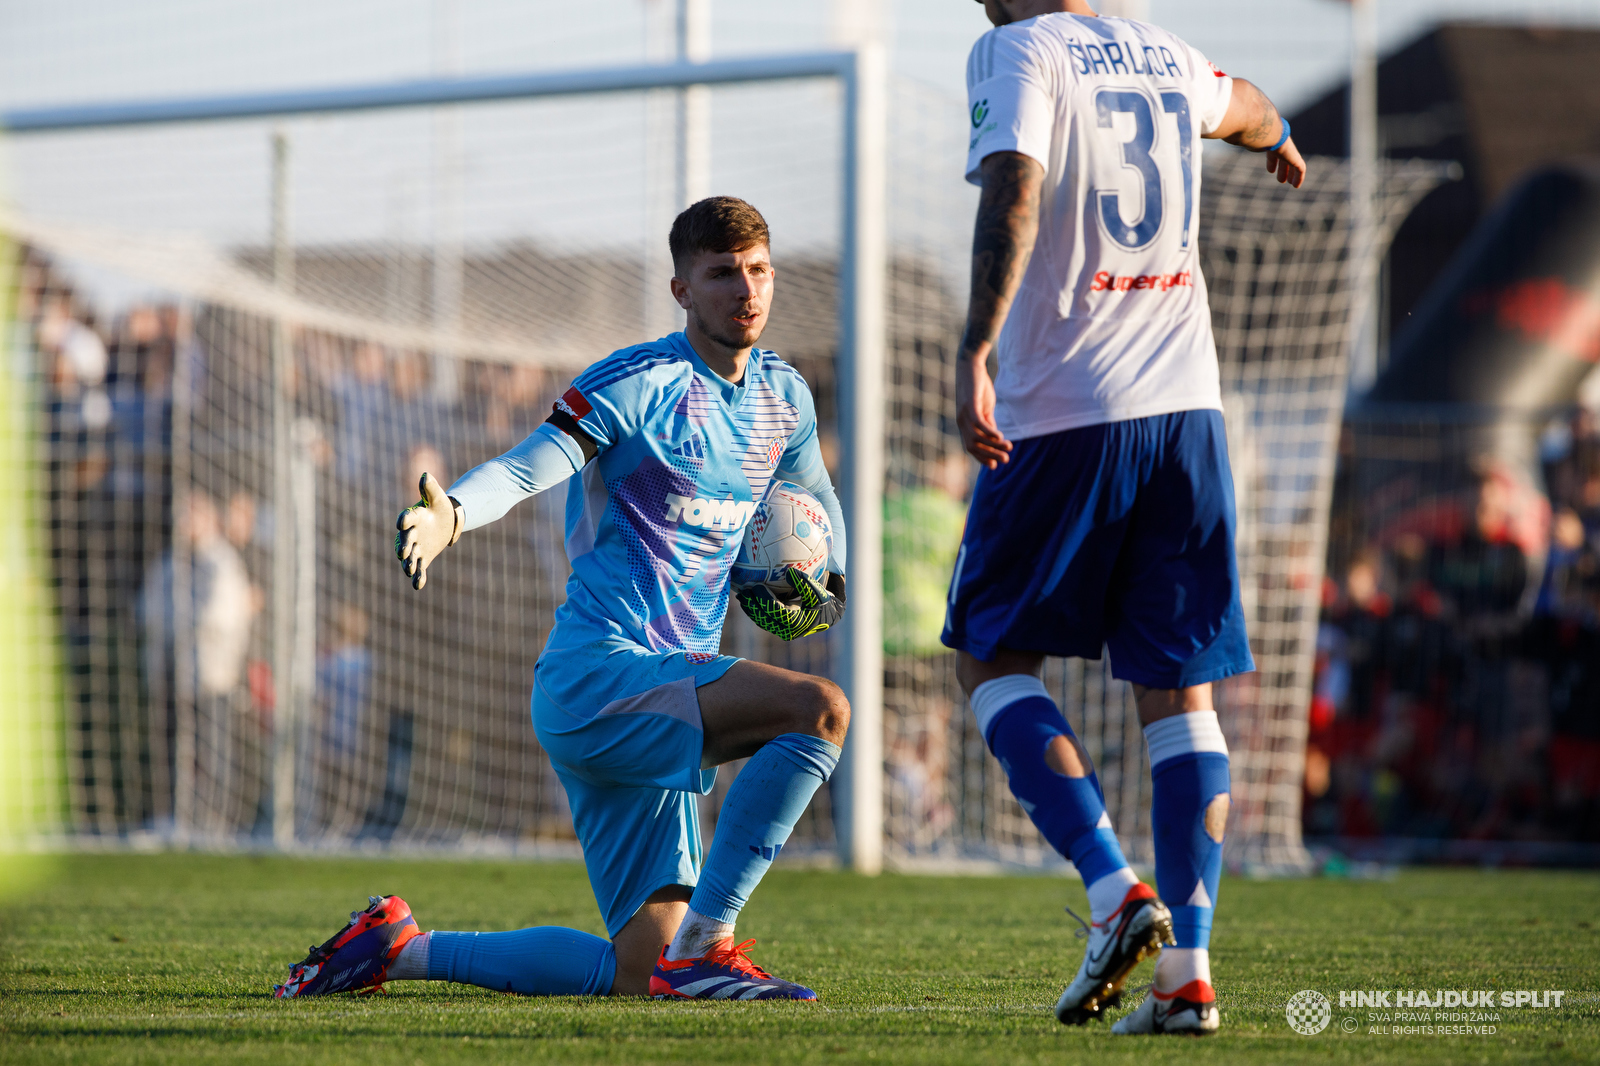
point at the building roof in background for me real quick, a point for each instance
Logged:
(1531, 96)
(1500, 99)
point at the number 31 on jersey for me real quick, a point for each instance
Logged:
(1144, 154)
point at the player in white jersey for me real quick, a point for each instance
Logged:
(1104, 517)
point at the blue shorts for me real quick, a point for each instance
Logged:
(621, 724)
(1120, 536)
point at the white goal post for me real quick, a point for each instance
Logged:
(862, 74)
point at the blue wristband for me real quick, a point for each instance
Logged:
(1281, 140)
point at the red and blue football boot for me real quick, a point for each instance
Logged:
(358, 956)
(724, 972)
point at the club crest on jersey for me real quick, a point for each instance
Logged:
(728, 516)
(573, 403)
(700, 658)
(774, 452)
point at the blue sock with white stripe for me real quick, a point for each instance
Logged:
(1019, 721)
(1189, 789)
(547, 960)
(759, 813)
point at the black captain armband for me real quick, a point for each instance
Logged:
(569, 425)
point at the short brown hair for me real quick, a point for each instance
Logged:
(715, 224)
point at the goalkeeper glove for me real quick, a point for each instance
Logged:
(811, 609)
(426, 528)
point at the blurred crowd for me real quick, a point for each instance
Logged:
(1457, 686)
(159, 500)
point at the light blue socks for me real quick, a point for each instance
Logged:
(546, 960)
(760, 811)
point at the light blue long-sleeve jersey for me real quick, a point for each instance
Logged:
(656, 519)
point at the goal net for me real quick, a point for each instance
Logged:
(221, 427)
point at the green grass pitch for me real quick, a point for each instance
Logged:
(170, 958)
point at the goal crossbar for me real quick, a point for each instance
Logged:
(433, 92)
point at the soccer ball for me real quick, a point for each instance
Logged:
(788, 528)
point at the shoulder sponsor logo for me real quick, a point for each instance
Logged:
(728, 516)
(1216, 70)
(573, 403)
(981, 123)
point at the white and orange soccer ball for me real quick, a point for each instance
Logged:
(789, 528)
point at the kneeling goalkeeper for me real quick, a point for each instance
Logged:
(674, 442)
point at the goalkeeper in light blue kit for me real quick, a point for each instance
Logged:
(674, 442)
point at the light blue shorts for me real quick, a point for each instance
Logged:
(622, 726)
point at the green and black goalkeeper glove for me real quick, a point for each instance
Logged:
(426, 528)
(811, 609)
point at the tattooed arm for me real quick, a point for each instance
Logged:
(1252, 122)
(1002, 244)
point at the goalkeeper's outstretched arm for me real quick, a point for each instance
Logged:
(546, 458)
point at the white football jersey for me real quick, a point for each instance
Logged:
(1111, 322)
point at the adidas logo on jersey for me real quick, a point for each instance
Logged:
(726, 515)
(693, 448)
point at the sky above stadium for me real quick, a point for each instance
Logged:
(574, 171)
(82, 49)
